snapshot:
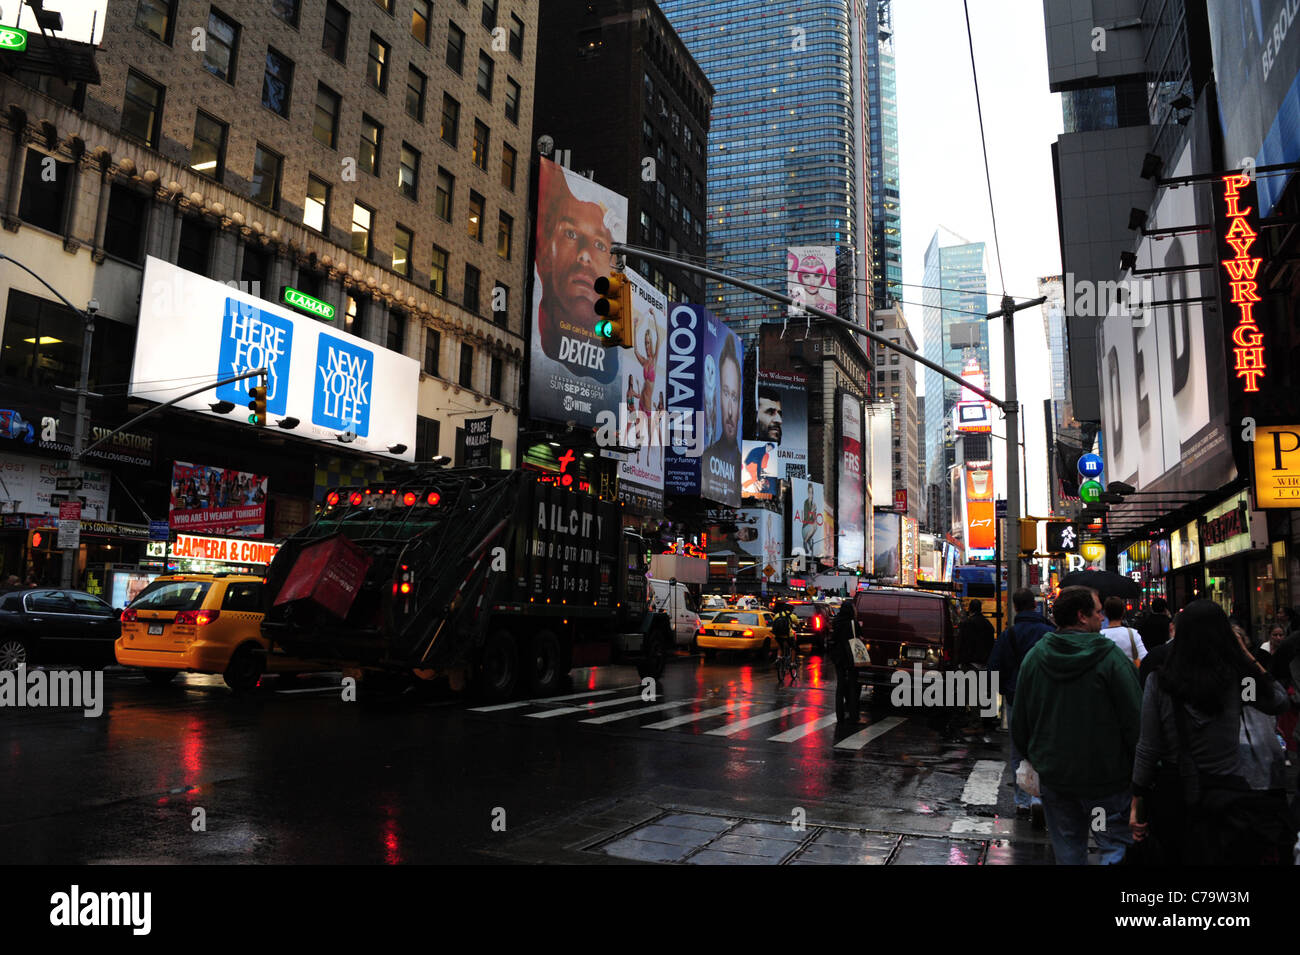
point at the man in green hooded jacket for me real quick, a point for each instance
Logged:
(1077, 720)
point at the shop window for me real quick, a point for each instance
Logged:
(42, 341)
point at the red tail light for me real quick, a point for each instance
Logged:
(748, 633)
(196, 618)
(355, 498)
(817, 621)
(433, 499)
(406, 587)
(701, 630)
(129, 616)
(332, 498)
(409, 498)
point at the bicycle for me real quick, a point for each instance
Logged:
(787, 661)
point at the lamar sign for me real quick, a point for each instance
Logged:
(227, 549)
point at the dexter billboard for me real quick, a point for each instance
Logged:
(573, 376)
(193, 329)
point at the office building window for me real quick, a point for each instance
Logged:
(480, 152)
(466, 366)
(264, 187)
(156, 17)
(472, 280)
(377, 64)
(124, 236)
(443, 193)
(220, 47)
(325, 127)
(501, 303)
(363, 218)
(43, 196)
(354, 316)
(432, 352)
(408, 173)
(516, 37)
(334, 41)
(455, 47)
(142, 108)
(508, 161)
(286, 10)
(385, 5)
(512, 100)
(416, 82)
(194, 251)
(426, 438)
(450, 120)
(277, 82)
(372, 135)
(505, 235)
(485, 70)
(645, 226)
(395, 339)
(421, 11)
(489, 16)
(208, 152)
(438, 273)
(494, 379)
(476, 205)
(315, 207)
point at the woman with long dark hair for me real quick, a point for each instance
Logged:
(1191, 767)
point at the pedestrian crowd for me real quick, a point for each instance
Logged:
(1165, 739)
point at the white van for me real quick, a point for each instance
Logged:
(674, 599)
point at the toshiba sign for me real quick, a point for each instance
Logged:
(228, 549)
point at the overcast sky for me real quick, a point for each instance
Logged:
(78, 15)
(943, 181)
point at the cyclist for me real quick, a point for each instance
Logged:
(783, 628)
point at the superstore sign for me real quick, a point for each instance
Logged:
(1243, 288)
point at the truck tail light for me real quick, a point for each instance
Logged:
(409, 498)
(355, 498)
(433, 499)
(332, 498)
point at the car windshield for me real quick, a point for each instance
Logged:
(748, 619)
(172, 595)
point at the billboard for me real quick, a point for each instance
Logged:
(28, 486)
(704, 406)
(193, 329)
(887, 547)
(850, 495)
(208, 500)
(1257, 75)
(758, 470)
(810, 521)
(881, 477)
(643, 412)
(810, 277)
(778, 415)
(572, 376)
(977, 500)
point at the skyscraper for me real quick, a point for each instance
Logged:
(955, 303)
(882, 102)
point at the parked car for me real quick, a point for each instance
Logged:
(55, 626)
(201, 623)
(747, 630)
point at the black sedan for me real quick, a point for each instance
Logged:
(814, 623)
(56, 626)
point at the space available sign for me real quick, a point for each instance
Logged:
(478, 442)
(193, 329)
(217, 500)
(704, 406)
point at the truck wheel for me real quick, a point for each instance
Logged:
(546, 673)
(244, 670)
(499, 666)
(654, 655)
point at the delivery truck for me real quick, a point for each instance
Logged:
(500, 580)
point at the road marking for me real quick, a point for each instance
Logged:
(983, 782)
(859, 740)
(639, 711)
(546, 699)
(566, 710)
(732, 729)
(689, 718)
(799, 732)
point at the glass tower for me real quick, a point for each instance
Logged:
(882, 99)
(788, 144)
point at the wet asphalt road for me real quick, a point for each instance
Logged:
(722, 767)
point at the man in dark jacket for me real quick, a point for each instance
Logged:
(1154, 628)
(974, 637)
(1077, 719)
(1029, 627)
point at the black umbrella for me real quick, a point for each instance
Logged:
(1106, 582)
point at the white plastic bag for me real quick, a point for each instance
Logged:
(1027, 778)
(859, 650)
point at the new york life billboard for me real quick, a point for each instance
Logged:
(572, 375)
(704, 406)
(193, 329)
(850, 494)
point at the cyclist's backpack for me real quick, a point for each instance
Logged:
(781, 625)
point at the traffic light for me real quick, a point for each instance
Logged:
(1028, 535)
(859, 570)
(615, 310)
(257, 404)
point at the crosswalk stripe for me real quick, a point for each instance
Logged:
(310, 689)
(690, 718)
(546, 699)
(639, 711)
(566, 710)
(731, 729)
(799, 732)
(859, 740)
(982, 784)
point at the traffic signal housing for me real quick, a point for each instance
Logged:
(257, 404)
(1028, 535)
(614, 327)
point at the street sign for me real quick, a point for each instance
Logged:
(1000, 508)
(1090, 466)
(159, 530)
(1090, 492)
(60, 465)
(70, 525)
(69, 484)
(1062, 536)
(769, 570)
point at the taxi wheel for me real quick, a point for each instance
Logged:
(160, 677)
(710, 653)
(244, 670)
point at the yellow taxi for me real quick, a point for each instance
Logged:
(748, 630)
(200, 623)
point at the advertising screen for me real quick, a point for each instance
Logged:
(208, 500)
(977, 494)
(810, 277)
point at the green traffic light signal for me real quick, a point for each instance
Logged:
(257, 405)
(614, 307)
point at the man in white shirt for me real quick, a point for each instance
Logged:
(1126, 638)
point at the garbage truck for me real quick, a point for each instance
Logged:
(502, 581)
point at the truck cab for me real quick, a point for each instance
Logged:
(675, 599)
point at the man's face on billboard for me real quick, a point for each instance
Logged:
(573, 256)
(769, 419)
(729, 379)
